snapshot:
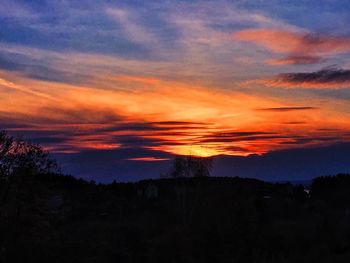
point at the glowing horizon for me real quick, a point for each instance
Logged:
(176, 118)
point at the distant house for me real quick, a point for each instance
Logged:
(307, 191)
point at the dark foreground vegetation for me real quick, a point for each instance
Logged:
(47, 217)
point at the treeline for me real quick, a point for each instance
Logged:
(49, 217)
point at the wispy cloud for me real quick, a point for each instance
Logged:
(138, 79)
(131, 27)
(16, 11)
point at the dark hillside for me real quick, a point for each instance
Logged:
(54, 218)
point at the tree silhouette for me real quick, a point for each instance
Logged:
(18, 157)
(190, 166)
(21, 198)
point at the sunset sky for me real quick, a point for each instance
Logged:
(114, 89)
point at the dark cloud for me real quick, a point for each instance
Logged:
(242, 139)
(283, 109)
(78, 130)
(240, 133)
(324, 77)
(237, 136)
(295, 122)
(322, 137)
(304, 140)
(176, 123)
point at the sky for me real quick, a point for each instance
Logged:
(115, 89)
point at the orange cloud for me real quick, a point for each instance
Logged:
(295, 60)
(302, 48)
